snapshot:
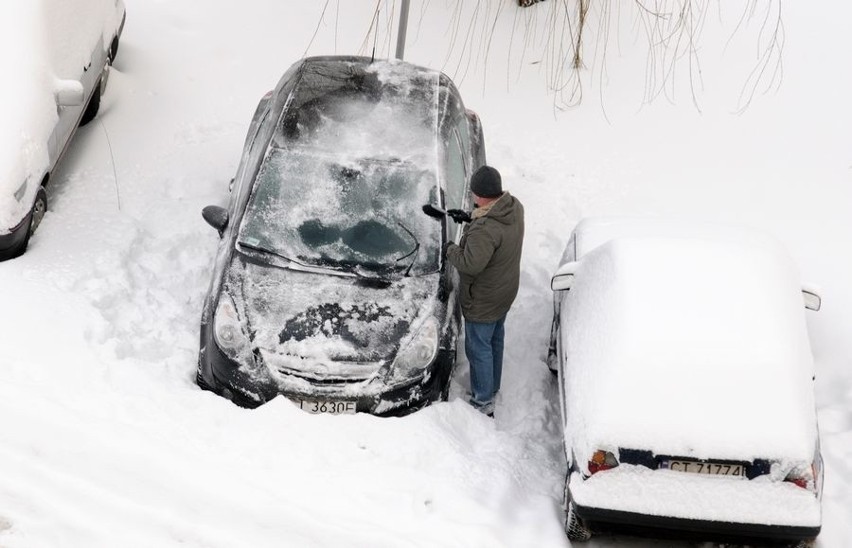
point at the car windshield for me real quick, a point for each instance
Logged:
(362, 216)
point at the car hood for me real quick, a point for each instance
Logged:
(326, 326)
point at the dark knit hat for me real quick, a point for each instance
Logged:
(486, 182)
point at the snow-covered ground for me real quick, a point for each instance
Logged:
(106, 441)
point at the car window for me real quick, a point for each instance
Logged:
(464, 136)
(455, 179)
(358, 215)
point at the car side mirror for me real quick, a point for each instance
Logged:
(812, 299)
(563, 278)
(69, 93)
(217, 217)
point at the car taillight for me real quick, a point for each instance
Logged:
(602, 460)
(804, 477)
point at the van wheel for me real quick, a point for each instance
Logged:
(39, 209)
(575, 527)
(93, 106)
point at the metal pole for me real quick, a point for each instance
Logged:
(403, 27)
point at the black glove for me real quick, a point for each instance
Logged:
(459, 216)
(445, 248)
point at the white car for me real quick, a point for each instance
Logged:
(686, 383)
(55, 56)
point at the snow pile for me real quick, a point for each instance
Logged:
(683, 346)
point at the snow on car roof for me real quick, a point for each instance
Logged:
(359, 109)
(688, 346)
(592, 232)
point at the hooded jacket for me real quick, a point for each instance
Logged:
(488, 259)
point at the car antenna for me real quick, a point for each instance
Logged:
(375, 37)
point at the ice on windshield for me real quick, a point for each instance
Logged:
(313, 209)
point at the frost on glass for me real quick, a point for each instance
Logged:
(352, 162)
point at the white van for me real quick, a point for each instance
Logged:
(55, 56)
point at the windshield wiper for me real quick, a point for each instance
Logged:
(262, 249)
(412, 252)
(357, 269)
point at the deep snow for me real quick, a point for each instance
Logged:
(106, 441)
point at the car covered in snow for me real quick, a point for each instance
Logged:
(329, 286)
(55, 57)
(686, 382)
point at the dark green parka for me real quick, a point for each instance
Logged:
(488, 259)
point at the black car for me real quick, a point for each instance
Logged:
(329, 286)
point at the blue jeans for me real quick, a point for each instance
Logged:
(483, 345)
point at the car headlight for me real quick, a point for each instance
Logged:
(419, 352)
(22, 190)
(228, 329)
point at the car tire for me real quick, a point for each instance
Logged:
(575, 527)
(38, 211)
(93, 106)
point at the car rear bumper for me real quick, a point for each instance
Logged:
(643, 524)
(637, 496)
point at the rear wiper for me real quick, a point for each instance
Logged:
(412, 252)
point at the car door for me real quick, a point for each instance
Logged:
(77, 54)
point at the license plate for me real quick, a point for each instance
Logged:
(328, 407)
(707, 468)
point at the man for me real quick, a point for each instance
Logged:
(488, 259)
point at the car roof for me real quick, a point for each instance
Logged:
(360, 108)
(592, 232)
(669, 333)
